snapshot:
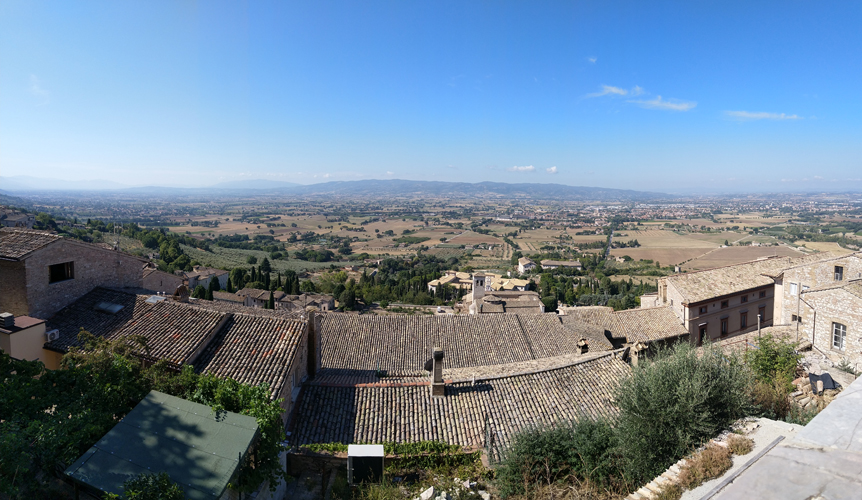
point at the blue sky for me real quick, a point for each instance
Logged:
(670, 96)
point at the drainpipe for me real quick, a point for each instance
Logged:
(813, 320)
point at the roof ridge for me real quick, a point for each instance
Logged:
(538, 369)
(756, 261)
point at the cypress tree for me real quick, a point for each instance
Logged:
(271, 303)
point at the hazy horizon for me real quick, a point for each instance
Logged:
(666, 97)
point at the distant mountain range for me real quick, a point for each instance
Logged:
(347, 189)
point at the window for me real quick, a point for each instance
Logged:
(839, 334)
(744, 298)
(702, 310)
(761, 311)
(763, 294)
(793, 288)
(796, 319)
(743, 321)
(839, 273)
(61, 272)
(702, 334)
(724, 327)
(724, 304)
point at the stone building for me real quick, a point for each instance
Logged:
(160, 281)
(729, 300)
(525, 265)
(203, 275)
(41, 272)
(832, 319)
(827, 270)
(565, 264)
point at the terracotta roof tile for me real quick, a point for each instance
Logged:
(408, 413)
(253, 350)
(647, 325)
(16, 243)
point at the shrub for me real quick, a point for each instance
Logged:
(675, 402)
(771, 399)
(773, 358)
(801, 416)
(672, 491)
(740, 445)
(710, 463)
(585, 449)
(152, 487)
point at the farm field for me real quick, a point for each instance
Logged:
(473, 238)
(665, 256)
(824, 246)
(737, 255)
(662, 239)
(232, 257)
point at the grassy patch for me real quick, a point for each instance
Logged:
(712, 462)
(672, 491)
(740, 445)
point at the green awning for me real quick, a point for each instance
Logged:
(199, 449)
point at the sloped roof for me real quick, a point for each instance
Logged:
(253, 350)
(508, 403)
(850, 286)
(601, 316)
(82, 314)
(200, 450)
(402, 344)
(17, 243)
(231, 297)
(647, 325)
(712, 283)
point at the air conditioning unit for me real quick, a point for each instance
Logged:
(52, 335)
(365, 463)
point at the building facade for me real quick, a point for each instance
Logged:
(40, 272)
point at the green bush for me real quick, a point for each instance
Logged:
(675, 402)
(585, 449)
(773, 358)
(152, 487)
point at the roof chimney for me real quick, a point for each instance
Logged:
(583, 345)
(7, 320)
(438, 388)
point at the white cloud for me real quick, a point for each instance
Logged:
(37, 90)
(670, 105)
(760, 115)
(527, 168)
(327, 176)
(609, 90)
(637, 90)
(389, 172)
(592, 59)
(552, 170)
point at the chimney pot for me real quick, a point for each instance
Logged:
(438, 388)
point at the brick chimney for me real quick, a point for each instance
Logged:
(638, 350)
(583, 345)
(438, 388)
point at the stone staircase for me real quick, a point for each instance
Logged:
(654, 487)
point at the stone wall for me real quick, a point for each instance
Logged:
(834, 306)
(692, 318)
(812, 276)
(13, 288)
(160, 281)
(93, 266)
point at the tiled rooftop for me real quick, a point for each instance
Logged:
(600, 316)
(16, 243)
(83, 314)
(249, 345)
(402, 344)
(711, 283)
(647, 325)
(253, 349)
(408, 413)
